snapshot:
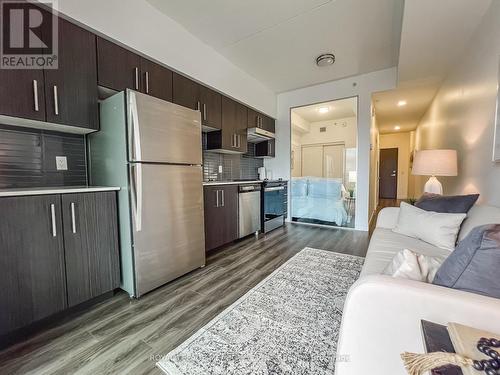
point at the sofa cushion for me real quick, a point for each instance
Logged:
(453, 204)
(438, 229)
(479, 215)
(385, 244)
(410, 265)
(474, 264)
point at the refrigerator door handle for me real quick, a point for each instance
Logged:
(137, 196)
(136, 133)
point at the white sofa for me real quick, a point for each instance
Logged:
(382, 314)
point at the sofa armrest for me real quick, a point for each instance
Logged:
(381, 319)
(388, 217)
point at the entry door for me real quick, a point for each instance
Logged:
(388, 183)
(312, 161)
(333, 161)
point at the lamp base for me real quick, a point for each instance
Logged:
(433, 186)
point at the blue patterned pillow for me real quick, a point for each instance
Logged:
(474, 265)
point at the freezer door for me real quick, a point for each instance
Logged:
(167, 223)
(162, 132)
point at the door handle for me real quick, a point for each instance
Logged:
(35, 94)
(53, 219)
(222, 197)
(136, 73)
(239, 140)
(56, 101)
(204, 112)
(269, 148)
(73, 218)
(137, 196)
(217, 198)
(198, 106)
(147, 82)
(135, 132)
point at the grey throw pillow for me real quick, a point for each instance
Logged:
(452, 204)
(473, 266)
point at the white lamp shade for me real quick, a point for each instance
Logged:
(353, 176)
(435, 163)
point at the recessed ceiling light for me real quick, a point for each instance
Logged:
(397, 127)
(401, 103)
(325, 59)
(323, 109)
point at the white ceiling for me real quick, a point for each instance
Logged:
(433, 37)
(338, 109)
(278, 41)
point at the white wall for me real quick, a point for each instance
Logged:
(461, 115)
(142, 27)
(362, 86)
(333, 133)
(401, 141)
(374, 163)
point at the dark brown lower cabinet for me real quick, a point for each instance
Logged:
(32, 271)
(56, 251)
(221, 215)
(91, 245)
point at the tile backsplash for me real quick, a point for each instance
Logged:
(234, 166)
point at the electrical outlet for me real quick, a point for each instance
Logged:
(220, 168)
(61, 163)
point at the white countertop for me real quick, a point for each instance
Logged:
(55, 190)
(231, 182)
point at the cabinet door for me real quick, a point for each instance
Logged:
(241, 127)
(157, 80)
(186, 92)
(32, 272)
(266, 149)
(214, 214)
(267, 123)
(117, 68)
(229, 127)
(91, 245)
(211, 107)
(229, 201)
(253, 118)
(71, 89)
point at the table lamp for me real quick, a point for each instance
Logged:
(435, 163)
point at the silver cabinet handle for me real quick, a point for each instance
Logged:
(198, 106)
(257, 121)
(269, 148)
(136, 72)
(56, 101)
(147, 82)
(73, 219)
(53, 219)
(204, 112)
(217, 198)
(35, 94)
(239, 140)
(222, 196)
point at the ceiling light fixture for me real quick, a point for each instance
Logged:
(397, 127)
(323, 109)
(401, 103)
(325, 59)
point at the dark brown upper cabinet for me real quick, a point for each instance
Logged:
(120, 69)
(117, 67)
(266, 149)
(192, 95)
(71, 89)
(259, 120)
(232, 137)
(66, 95)
(156, 80)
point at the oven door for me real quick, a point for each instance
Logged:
(274, 207)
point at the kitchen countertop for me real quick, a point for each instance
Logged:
(208, 183)
(54, 190)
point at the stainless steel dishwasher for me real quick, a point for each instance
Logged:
(249, 209)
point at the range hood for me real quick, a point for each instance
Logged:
(256, 135)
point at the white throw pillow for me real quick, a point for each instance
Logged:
(413, 266)
(438, 229)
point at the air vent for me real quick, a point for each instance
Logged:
(323, 129)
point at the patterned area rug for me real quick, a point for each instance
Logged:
(287, 324)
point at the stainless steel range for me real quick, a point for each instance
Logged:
(274, 204)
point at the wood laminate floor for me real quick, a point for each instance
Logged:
(124, 336)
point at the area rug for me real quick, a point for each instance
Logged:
(287, 324)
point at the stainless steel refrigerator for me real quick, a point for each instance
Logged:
(152, 150)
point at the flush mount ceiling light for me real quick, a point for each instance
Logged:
(323, 109)
(401, 103)
(325, 59)
(397, 127)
